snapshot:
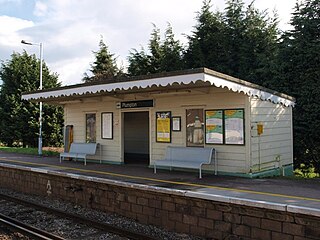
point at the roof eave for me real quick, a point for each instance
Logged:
(150, 82)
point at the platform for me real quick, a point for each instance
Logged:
(301, 196)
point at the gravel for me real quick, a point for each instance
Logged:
(112, 219)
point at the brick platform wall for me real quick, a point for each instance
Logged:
(171, 210)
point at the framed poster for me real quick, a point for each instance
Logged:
(234, 126)
(163, 127)
(107, 125)
(90, 127)
(176, 124)
(214, 126)
(195, 126)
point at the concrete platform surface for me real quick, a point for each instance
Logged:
(293, 195)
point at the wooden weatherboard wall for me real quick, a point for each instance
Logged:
(74, 114)
(230, 158)
(271, 150)
(274, 147)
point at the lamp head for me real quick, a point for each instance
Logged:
(24, 42)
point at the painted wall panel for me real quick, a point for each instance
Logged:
(275, 141)
(274, 147)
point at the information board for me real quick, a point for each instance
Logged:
(214, 127)
(163, 120)
(234, 126)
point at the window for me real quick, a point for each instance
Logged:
(224, 126)
(90, 127)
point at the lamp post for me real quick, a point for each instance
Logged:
(40, 88)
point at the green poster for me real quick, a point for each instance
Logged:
(214, 127)
(234, 126)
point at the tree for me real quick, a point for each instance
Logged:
(171, 51)
(259, 47)
(19, 119)
(163, 55)
(104, 66)
(239, 42)
(139, 63)
(299, 74)
(206, 45)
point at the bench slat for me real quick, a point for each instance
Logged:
(80, 150)
(187, 157)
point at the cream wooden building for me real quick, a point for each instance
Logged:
(136, 119)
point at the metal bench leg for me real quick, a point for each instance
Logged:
(215, 163)
(100, 150)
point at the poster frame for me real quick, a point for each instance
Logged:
(243, 125)
(178, 119)
(87, 126)
(170, 127)
(191, 112)
(205, 125)
(109, 125)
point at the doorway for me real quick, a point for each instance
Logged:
(136, 138)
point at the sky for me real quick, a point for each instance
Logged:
(71, 29)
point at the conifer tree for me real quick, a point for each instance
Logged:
(299, 75)
(162, 56)
(240, 41)
(104, 66)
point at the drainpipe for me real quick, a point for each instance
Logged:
(259, 153)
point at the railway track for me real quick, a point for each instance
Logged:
(26, 229)
(52, 223)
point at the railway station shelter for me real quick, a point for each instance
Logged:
(135, 119)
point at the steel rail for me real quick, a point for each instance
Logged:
(26, 229)
(95, 224)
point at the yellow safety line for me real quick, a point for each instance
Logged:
(167, 181)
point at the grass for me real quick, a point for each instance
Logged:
(30, 151)
(306, 172)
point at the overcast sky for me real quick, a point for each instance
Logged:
(70, 29)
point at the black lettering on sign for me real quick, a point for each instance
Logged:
(137, 104)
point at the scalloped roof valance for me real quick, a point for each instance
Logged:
(182, 78)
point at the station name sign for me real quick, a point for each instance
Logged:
(136, 104)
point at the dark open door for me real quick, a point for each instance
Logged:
(136, 137)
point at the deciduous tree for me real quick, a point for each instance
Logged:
(19, 119)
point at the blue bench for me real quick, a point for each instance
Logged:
(187, 157)
(80, 151)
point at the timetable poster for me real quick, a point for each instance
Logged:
(107, 128)
(163, 127)
(234, 126)
(214, 127)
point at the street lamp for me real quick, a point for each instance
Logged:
(40, 87)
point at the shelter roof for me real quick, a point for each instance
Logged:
(162, 82)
